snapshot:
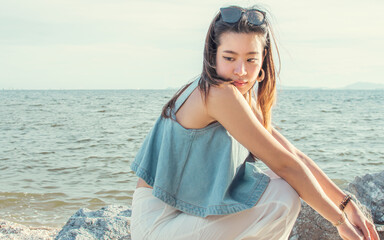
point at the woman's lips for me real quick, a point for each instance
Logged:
(239, 83)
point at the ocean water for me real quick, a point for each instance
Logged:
(68, 149)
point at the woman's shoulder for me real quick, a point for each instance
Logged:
(197, 113)
(222, 90)
(223, 96)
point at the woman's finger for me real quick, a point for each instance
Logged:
(364, 230)
(358, 231)
(372, 231)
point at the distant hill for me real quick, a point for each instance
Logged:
(292, 87)
(365, 86)
(353, 86)
(285, 87)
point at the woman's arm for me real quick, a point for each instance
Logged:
(330, 188)
(226, 105)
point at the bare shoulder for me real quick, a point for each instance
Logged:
(227, 105)
(222, 90)
(221, 96)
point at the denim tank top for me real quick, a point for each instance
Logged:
(198, 171)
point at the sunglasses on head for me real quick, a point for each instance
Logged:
(233, 14)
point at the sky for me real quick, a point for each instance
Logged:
(157, 44)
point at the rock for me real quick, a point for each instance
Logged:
(110, 222)
(369, 189)
(10, 230)
(311, 225)
(368, 194)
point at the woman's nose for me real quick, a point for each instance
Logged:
(240, 69)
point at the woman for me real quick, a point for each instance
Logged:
(196, 167)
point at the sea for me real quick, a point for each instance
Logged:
(62, 150)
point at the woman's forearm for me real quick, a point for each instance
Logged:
(298, 175)
(329, 187)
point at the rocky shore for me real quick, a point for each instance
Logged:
(113, 222)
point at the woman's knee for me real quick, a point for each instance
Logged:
(289, 196)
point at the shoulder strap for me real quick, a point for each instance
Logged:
(181, 99)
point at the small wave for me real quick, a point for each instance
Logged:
(124, 181)
(340, 182)
(95, 201)
(330, 111)
(93, 157)
(84, 140)
(108, 192)
(22, 195)
(75, 148)
(45, 153)
(27, 180)
(341, 154)
(119, 173)
(57, 125)
(61, 169)
(299, 139)
(373, 164)
(119, 198)
(50, 187)
(54, 204)
(15, 104)
(348, 160)
(107, 132)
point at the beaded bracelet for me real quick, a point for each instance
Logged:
(345, 201)
(341, 220)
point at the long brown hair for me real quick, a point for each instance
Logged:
(266, 91)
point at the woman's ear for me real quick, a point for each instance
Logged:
(261, 75)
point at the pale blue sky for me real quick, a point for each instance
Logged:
(142, 44)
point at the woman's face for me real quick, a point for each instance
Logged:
(239, 58)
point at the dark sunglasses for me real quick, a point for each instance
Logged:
(233, 14)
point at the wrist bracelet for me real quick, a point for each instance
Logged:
(341, 220)
(345, 201)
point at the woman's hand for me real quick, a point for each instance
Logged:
(360, 222)
(348, 232)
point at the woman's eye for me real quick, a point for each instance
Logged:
(228, 58)
(252, 60)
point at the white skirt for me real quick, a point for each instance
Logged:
(272, 218)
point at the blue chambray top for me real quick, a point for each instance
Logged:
(198, 171)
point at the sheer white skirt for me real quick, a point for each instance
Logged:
(272, 218)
